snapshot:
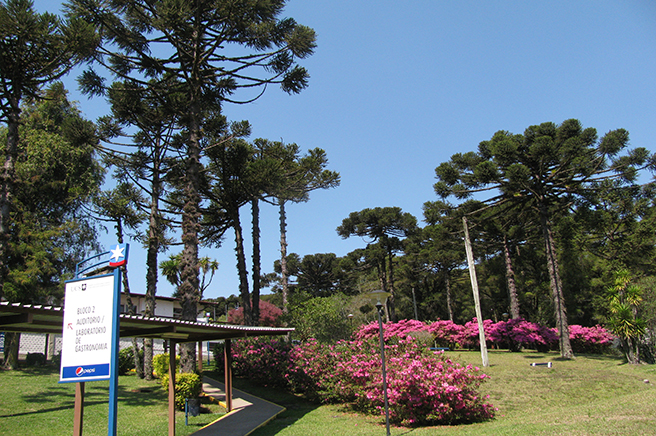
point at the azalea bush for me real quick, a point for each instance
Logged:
(424, 387)
(518, 333)
(445, 333)
(269, 315)
(590, 340)
(264, 360)
(513, 334)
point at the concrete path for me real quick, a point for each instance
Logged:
(249, 412)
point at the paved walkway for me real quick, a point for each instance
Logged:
(248, 412)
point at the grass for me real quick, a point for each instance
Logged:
(592, 395)
(33, 399)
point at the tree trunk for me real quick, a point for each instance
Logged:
(449, 307)
(256, 262)
(510, 278)
(284, 280)
(391, 300)
(188, 289)
(154, 243)
(12, 346)
(556, 289)
(241, 268)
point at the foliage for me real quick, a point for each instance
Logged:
(57, 174)
(539, 175)
(161, 365)
(624, 298)
(187, 385)
(35, 359)
(424, 387)
(322, 318)
(126, 360)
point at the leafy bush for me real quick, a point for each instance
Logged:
(187, 385)
(126, 360)
(161, 365)
(322, 318)
(35, 359)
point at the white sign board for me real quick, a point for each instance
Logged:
(87, 335)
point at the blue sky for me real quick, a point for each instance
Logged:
(397, 87)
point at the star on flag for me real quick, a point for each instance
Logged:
(119, 255)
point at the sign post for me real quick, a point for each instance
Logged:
(90, 339)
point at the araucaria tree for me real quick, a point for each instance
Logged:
(385, 227)
(201, 52)
(543, 171)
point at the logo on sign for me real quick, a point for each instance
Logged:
(79, 371)
(119, 256)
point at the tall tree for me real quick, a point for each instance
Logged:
(145, 163)
(545, 169)
(56, 175)
(206, 51)
(385, 226)
(35, 49)
(301, 176)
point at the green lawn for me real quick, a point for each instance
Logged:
(592, 395)
(33, 399)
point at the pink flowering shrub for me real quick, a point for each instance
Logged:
(590, 340)
(263, 360)
(269, 315)
(468, 337)
(518, 333)
(424, 387)
(445, 333)
(399, 329)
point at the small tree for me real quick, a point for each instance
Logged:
(623, 301)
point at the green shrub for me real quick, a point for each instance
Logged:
(125, 360)
(35, 359)
(161, 365)
(187, 385)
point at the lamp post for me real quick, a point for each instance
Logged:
(377, 295)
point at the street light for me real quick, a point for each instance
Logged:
(377, 296)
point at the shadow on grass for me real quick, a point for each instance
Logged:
(61, 396)
(296, 407)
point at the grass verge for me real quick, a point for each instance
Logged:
(33, 402)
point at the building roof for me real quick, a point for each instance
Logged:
(16, 317)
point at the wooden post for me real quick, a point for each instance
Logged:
(200, 356)
(477, 300)
(78, 416)
(227, 353)
(172, 388)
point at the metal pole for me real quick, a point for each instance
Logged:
(379, 306)
(112, 424)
